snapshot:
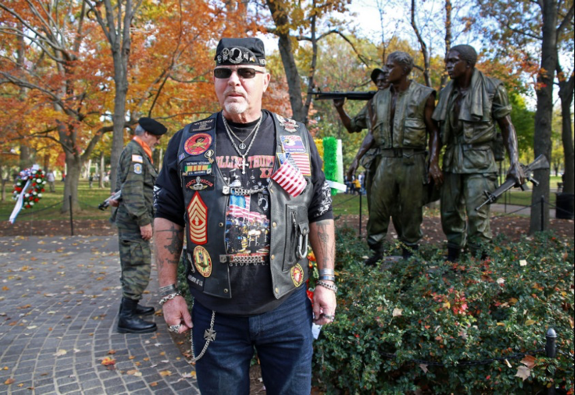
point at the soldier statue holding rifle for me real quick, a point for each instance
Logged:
(469, 107)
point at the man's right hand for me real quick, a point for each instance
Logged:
(176, 313)
(338, 103)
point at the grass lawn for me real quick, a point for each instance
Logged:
(51, 203)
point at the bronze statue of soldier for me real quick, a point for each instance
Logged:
(468, 110)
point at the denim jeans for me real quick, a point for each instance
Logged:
(283, 341)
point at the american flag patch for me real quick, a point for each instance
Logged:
(301, 160)
(290, 179)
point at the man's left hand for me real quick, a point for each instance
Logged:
(324, 305)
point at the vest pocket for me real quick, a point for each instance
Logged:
(414, 133)
(297, 231)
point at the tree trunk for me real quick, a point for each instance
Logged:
(74, 168)
(26, 157)
(566, 96)
(286, 51)
(448, 38)
(423, 46)
(102, 170)
(544, 114)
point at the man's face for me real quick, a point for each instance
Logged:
(381, 80)
(238, 93)
(455, 65)
(395, 72)
(152, 140)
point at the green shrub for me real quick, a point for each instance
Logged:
(428, 326)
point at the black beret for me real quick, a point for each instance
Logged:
(375, 73)
(152, 126)
(234, 51)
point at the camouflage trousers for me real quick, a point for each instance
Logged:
(397, 191)
(136, 261)
(460, 194)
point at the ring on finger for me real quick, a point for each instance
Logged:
(329, 317)
(174, 328)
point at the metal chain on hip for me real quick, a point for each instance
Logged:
(230, 132)
(209, 336)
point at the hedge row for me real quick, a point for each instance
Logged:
(427, 326)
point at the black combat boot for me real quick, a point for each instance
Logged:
(372, 260)
(408, 251)
(128, 321)
(144, 310)
(453, 254)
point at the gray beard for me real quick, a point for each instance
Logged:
(236, 108)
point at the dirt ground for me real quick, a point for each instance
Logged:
(512, 226)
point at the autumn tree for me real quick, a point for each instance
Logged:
(58, 81)
(521, 26)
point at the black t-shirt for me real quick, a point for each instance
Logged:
(247, 217)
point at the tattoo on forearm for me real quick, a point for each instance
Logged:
(172, 241)
(326, 244)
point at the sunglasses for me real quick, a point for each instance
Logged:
(244, 73)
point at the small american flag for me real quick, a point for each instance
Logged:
(290, 179)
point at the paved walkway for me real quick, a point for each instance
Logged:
(59, 298)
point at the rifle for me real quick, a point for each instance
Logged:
(540, 162)
(106, 203)
(342, 95)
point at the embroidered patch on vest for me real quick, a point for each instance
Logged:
(297, 276)
(209, 155)
(197, 169)
(203, 261)
(288, 124)
(137, 168)
(292, 144)
(199, 184)
(198, 144)
(198, 220)
(302, 163)
(200, 126)
(137, 158)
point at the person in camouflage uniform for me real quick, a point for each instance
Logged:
(134, 217)
(467, 110)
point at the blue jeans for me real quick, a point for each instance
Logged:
(283, 341)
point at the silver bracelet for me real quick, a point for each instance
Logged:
(169, 297)
(327, 272)
(327, 278)
(331, 287)
(168, 289)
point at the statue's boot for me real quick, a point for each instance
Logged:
(453, 254)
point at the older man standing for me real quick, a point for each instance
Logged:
(134, 216)
(468, 108)
(241, 172)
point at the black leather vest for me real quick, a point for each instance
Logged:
(206, 198)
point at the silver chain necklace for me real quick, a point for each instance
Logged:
(242, 144)
(255, 133)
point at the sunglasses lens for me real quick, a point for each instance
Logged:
(222, 73)
(246, 73)
(243, 72)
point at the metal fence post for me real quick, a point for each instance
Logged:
(71, 216)
(551, 352)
